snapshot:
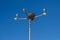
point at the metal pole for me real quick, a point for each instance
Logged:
(29, 30)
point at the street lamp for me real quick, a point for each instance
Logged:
(30, 17)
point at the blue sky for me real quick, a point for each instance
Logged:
(44, 28)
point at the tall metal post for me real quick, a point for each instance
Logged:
(29, 30)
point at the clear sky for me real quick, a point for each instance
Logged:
(44, 28)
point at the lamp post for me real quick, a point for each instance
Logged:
(30, 17)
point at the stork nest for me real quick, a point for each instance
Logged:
(31, 16)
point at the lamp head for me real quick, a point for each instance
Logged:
(44, 14)
(16, 15)
(15, 18)
(44, 10)
(24, 10)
